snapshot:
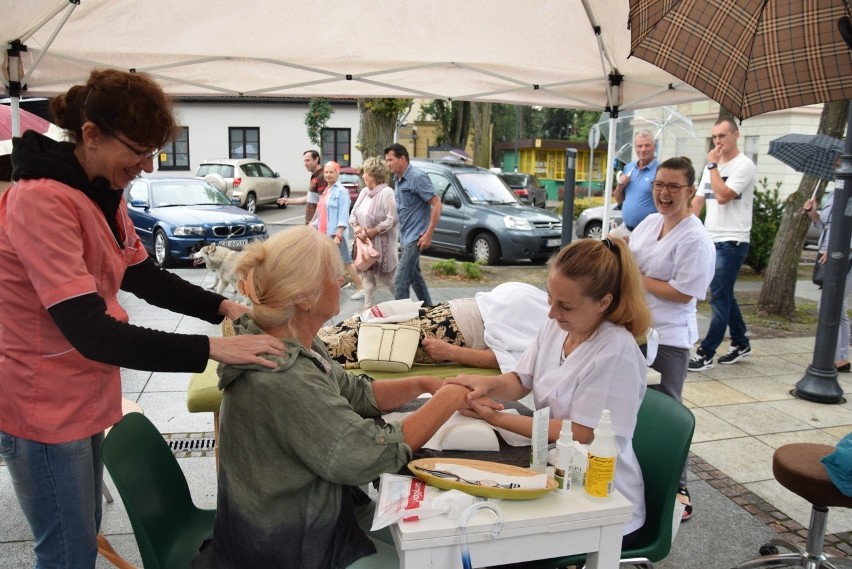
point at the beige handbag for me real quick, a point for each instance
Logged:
(387, 347)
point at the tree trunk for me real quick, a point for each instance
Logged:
(460, 125)
(376, 131)
(481, 134)
(777, 296)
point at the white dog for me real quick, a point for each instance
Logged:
(221, 261)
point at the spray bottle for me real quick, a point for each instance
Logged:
(600, 474)
(564, 458)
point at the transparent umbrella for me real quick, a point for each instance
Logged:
(665, 122)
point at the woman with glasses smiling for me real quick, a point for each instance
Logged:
(67, 246)
(677, 260)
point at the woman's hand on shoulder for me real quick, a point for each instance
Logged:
(232, 310)
(246, 349)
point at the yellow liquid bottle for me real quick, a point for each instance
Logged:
(600, 473)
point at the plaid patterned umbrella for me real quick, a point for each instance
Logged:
(813, 154)
(751, 56)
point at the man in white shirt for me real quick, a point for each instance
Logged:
(727, 188)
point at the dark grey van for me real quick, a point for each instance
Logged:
(481, 217)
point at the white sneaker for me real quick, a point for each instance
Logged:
(346, 285)
(359, 294)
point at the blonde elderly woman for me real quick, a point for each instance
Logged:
(374, 218)
(296, 439)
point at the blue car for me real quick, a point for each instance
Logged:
(175, 217)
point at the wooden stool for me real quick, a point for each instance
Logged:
(797, 467)
(104, 546)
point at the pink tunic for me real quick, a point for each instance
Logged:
(56, 245)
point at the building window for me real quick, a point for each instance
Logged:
(750, 147)
(175, 154)
(336, 145)
(244, 142)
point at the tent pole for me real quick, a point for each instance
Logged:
(614, 96)
(14, 53)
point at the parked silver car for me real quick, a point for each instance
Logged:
(481, 217)
(250, 182)
(590, 221)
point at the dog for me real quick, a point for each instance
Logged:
(221, 261)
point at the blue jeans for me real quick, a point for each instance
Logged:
(59, 489)
(408, 275)
(726, 311)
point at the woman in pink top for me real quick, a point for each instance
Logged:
(66, 247)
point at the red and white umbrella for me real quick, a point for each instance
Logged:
(29, 121)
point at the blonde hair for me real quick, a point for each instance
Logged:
(607, 267)
(377, 169)
(284, 270)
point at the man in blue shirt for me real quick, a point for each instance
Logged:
(418, 208)
(633, 191)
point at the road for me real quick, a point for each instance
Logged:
(278, 219)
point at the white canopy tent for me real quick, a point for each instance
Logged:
(553, 53)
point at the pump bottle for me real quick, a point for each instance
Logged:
(564, 458)
(600, 474)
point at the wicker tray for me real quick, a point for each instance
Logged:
(475, 489)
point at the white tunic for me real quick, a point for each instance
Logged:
(607, 371)
(685, 258)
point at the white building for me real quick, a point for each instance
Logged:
(755, 135)
(271, 130)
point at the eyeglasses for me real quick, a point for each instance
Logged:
(142, 155)
(672, 188)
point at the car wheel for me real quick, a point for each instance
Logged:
(486, 249)
(594, 229)
(251, 203)
(285, 193)
(161, 250)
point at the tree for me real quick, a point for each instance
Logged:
(378, 124)
(777, 296)
(481, 134)
(454, 118)
(319, 111)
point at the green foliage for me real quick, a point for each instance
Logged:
(319, 111)
(387, 107)
(450, 268)
(580, 204)
(472, 271)
(447, 268)
(765, 219)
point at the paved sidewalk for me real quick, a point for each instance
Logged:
(744, 411)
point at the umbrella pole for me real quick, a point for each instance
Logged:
(819, 384)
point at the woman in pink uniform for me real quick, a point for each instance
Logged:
(66, 247)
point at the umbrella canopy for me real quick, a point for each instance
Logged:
(29, 121)
(813, 154)
(751, 56)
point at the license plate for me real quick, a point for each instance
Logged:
(234, 243)
(553, 242)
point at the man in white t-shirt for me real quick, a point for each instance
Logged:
(727, 188)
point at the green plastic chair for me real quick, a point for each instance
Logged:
(169, 528)
(661, 441)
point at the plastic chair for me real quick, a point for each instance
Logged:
(169, 528)
(661, 441)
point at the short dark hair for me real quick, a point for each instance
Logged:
(731, 122)
(398, 150)
(314, 154)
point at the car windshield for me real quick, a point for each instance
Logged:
(515, 179)
(485, 187)
(171, 194)
(350, 179)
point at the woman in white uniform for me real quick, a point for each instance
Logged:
(585, 358)
(676, 258)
